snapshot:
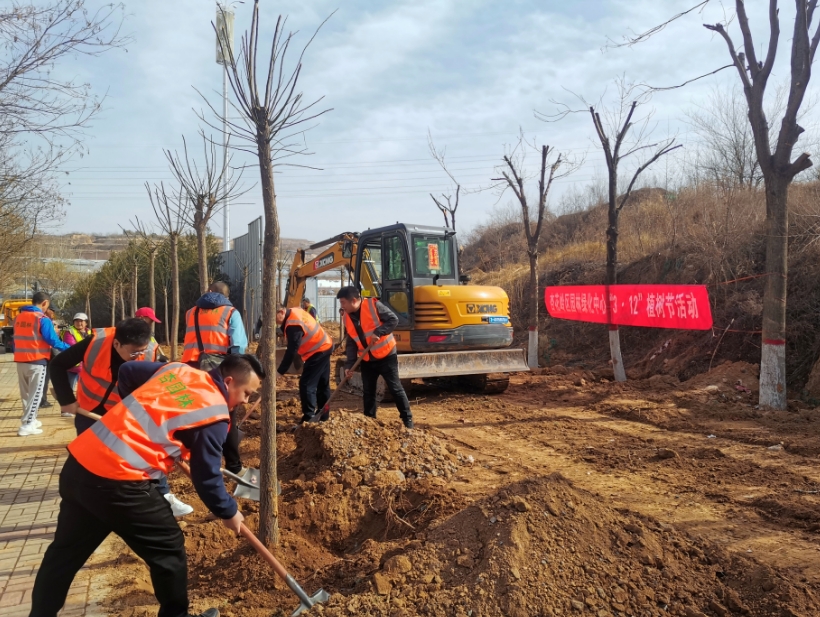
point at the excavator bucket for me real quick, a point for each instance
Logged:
(456, 363)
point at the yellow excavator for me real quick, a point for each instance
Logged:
(448, 329)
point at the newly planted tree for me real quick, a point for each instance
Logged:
(207, 184)
(170, 213)
(271, 125)
(533, 212)
(623, 137)
(778, 166)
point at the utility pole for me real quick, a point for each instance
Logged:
(224, 29)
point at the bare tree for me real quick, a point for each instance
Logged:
(777, 164)
(272, 126)
(447, 203)
(43, 116)
(514, 177)
(150, 244)
(171, 216)
(621, 136)
(207, 185)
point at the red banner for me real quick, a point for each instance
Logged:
(684, 307)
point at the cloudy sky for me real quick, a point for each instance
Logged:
(472, 72)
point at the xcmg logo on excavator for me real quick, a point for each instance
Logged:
(481, 309)
(324, 261)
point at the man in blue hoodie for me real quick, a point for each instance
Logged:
(213, 330)
(34, 338)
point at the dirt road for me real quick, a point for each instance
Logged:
(567, 494)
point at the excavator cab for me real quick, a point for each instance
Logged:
(395, 260)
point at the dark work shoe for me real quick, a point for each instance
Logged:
(45, 405)
(408, 423)
(211, 612)
(324, 416)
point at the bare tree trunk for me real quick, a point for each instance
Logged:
(279, 285)
(202, 256)
(269, 501)
(113, 305)
(165, 316)
(135, 289)
(122, 301)
(773, 352)
(174, 295)
(88, 307)
(532, 348)
(612, 278)
(152, 287)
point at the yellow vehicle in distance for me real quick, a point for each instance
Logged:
(8, 312)
(447, 327)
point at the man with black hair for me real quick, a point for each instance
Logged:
(369, 322)
(167, 412)
(34, 338)
(102, 355)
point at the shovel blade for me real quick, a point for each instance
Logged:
(320, 597)
(245, 492)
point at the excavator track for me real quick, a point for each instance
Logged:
(486, 383)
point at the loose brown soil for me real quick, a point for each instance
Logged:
(566, 495)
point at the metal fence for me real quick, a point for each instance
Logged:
(243, 263)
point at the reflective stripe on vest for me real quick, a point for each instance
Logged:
(151, 351)
(213, 327)
(136, 439)
(370, 320)
(95, 377)
(314, 339)
(29, 345)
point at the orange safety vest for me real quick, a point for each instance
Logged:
(96, 380)
(29, 345)
(315, 339)
(369, 316)
(152, 351)
(136, 439)
(213, 328)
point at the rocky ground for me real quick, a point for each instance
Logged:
(566, 495)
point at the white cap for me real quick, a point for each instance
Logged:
(82, 316)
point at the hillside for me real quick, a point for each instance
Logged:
(694, 236)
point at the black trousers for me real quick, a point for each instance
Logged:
(314, 384)
(233, 462)
(91, 508)
(388, 369)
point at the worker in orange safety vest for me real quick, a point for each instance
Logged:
(167, 412)
(369, 322)
(307, 338)
(34, 337)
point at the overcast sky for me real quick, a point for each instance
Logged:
(470, 71)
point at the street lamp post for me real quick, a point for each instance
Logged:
(224, 46)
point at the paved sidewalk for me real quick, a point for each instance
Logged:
(29, 502)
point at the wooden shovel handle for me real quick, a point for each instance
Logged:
(345, 380)
(260, 548)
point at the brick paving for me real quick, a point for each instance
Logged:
(29, 502)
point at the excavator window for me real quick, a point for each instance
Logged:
(433, 255)
(396, 268)
(395, 278)
(371, 270)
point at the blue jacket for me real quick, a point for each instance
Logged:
(204, 442)
(47, 332)
(236, 329)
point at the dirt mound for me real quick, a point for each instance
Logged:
(542, 547)
(729, 377)
(361, 449)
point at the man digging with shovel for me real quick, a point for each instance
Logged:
(106, 484)
(307, 338)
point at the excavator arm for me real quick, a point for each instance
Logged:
(341, 253)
